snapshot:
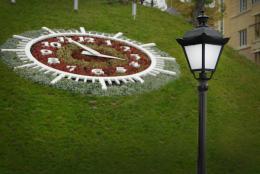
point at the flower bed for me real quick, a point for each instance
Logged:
(70, 54)
(151, 82)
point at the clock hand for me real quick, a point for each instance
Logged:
(94, 52)
(101, 55)
(91, 51)
(111, 57)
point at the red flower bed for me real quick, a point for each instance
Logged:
(109, 70)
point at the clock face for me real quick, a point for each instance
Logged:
(89, 57)
(103, 57)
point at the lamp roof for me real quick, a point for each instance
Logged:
(198, 32)
(202, 34)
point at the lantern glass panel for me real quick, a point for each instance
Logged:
(211, 55)
(194, 55)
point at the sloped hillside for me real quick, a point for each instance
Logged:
(49, 131)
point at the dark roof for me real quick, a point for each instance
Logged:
(202, 31)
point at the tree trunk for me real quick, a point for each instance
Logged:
(199, 5)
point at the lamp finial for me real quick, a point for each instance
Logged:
(202, 19)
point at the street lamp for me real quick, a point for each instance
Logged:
(202, 47)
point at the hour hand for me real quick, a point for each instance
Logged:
(100, 55)
(87, 53)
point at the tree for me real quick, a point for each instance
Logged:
(199, 5)
(191, 8)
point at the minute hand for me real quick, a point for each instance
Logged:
(101, 55)
(94, 52)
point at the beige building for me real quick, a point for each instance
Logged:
(242, 24)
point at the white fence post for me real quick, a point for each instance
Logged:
(134, 6)
(76, 5)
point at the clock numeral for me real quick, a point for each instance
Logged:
(55, 44)
(52, 44)
(136, 56)
(45, 44)
(134, 64)
(98, 72)
(81, 39)
(90, 39)
(45, 52)
(53, 60)
(71, 67)
(108, 42)
(69, 39)
(120, 70)
(125, 48)
(61, 39)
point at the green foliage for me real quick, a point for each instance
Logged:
(186, 9)
(45, 130)
(206, 1)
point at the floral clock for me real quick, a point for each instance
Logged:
(90, 57)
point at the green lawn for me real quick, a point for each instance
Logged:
(46, 130)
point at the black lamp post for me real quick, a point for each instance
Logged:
(202, 47)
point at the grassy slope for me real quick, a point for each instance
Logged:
(45, 130)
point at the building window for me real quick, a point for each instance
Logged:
(243, 37)
(255, 1)
(243, 5)
(257, 26)
(257, 57)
